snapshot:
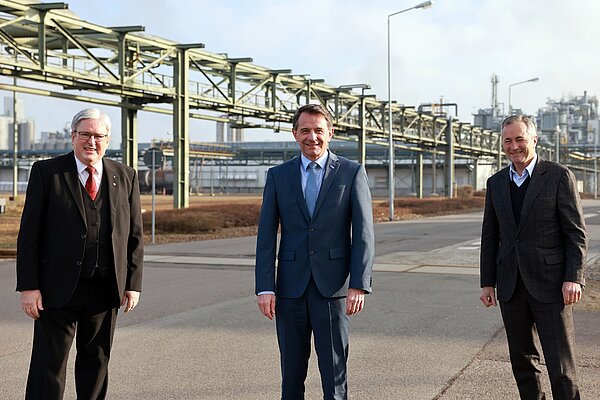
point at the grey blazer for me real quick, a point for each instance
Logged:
(336, 246)
(549, 246)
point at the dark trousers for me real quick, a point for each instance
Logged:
(90, 315)
(326, 319)
(523, 316)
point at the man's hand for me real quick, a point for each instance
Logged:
(355, 301)
(130, 300)
(571, 292)
(488, 296)
(266, 305)
(31, 303)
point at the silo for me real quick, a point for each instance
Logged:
(5, 130)
(26, 135)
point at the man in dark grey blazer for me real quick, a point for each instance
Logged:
(533, 250)
(79, 257)
(323, 205)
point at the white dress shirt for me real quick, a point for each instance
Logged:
(83, 174)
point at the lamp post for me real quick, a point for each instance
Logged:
(510, 91)
(425, 4)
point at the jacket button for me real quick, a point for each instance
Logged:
(311, 252)
(311, 229)
(79, 263)
(83, 236)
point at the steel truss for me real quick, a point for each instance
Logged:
(46, 43)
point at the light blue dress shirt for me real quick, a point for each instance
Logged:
(528, 171)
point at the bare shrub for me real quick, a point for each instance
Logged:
(464, 192)
(205, 218)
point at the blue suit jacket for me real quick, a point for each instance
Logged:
(336, 246)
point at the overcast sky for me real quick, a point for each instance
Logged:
(448, 51)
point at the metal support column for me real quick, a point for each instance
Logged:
(362, 136)
(128, 115)
(233, 63)
(449, 161)
(42, 10)
(129, 136)
(42, 39)
(15, 140)
(181, 144)
(433, 173)
(419, 175)
(308, 89)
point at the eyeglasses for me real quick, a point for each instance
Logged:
(85, 136)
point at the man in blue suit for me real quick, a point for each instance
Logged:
(323, 205)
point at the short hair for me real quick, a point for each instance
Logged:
(91, 113)
(312, 109)
(529, 123)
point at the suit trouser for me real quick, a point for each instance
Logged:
(90, 315)
(324, 317)
(523, 316)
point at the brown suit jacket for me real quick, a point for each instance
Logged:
(549, 246)
(51, 239)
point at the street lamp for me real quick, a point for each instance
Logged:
(425, 4)
(510, 89)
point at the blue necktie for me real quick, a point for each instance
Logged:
(310, 192)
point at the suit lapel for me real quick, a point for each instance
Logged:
(538, 179)
(504, 193)
(71, 177)
(296, 181)
(110, 174)
(331, 169)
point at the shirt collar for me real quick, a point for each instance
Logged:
(322, 161)
(81, 166)
(529, 168)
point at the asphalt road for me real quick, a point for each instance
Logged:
(198, 334)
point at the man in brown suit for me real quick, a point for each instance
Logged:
(533, 250)
(79, 257)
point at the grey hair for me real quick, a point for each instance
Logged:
(529, 123)
(91, 113)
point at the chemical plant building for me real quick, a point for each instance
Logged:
(230, 165)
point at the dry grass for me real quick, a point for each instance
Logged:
(204, 218)
(9, 223)
(411, 208)
(232, 216)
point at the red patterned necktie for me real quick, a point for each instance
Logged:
(90, 184)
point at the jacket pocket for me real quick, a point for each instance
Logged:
(340, 252)
(286, 255)
(554, 259)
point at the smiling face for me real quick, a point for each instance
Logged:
(313, 134)
(518, 145)
(89, 151)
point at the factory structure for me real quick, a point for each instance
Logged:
(572, 121)
(25, 127)
(232, 165)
